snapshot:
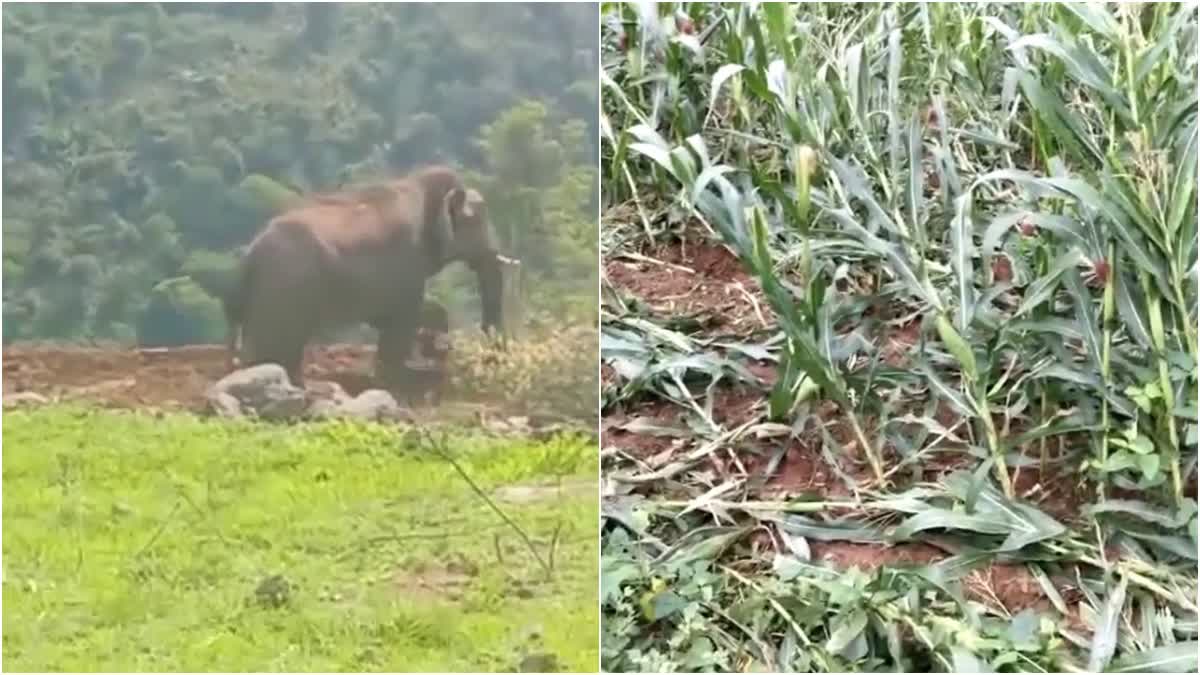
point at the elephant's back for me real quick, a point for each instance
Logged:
(347, 228)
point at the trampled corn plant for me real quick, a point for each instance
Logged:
(677, 607)
(841, 101)
(1023, 179)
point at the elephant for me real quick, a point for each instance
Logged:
(360, 255)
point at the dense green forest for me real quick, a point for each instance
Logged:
(145, 143)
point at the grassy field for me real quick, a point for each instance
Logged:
(136, 542)
(899, 337)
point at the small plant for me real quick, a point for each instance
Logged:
(550, 372)
(976, 228)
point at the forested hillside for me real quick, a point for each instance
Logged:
(144, 143)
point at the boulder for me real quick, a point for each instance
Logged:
(373, 404)
(223, 404)
(24, 398)
(263, 390)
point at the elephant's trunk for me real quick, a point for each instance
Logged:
(490, 272)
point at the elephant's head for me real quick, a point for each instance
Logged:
(473, 241)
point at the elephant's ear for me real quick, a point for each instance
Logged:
(453, 207)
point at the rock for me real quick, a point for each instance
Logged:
(283, 405)
(373, 404)
(263, 390)
(250, 382)
(24, 398)
(223, 404)
(324, 399)
(327, 391)
(322, 408)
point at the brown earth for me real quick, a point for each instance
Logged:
(173, 378)
(700, 280)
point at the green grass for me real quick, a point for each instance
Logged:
(136, 543)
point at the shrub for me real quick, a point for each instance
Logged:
(553, 372)
(180, 313)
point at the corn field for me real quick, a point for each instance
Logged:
(940, 414)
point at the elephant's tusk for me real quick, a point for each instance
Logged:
(504, 260)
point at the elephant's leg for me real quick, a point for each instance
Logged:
(292, 359)
(397, 332)
(394, 349)
(279, 338)
(397, 335)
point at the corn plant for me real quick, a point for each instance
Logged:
(1017, 181)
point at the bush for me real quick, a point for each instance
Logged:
(212, 271)
(180, 313)
(552, 372)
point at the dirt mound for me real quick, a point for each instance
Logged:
(174, 378)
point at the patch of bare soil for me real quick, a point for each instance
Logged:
(869, 557)
(620, 430)
(1013, 588)
(527, 494)
(177, 378)
(801, 470)
(608, 374)
(427, 582)
(1005, 588)
(699, 280)
(897, 344)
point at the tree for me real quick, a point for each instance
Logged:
(180, 313)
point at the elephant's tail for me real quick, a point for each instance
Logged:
(234, 304)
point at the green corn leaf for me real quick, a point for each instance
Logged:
(961, 254)
(719, 78)
(966, 662)
(1143, 511)
(1122, 193)
(1085, 313)
(858, 188)
(1175, 658)
(1069, 229)
(989, 138)
(1183, 187)
(657, 154)
(1066, 373)
(1097, 17)
(683, 166)
(916, 180)
(958, 347)
(1060, 120)
(1043, 289)
(1082, 65)
(852, 532)
(1134, 247)
(1130, 305)
(938, 518)
(895, 61)
(1048, 588)
(780, 17)
(1053, 428)
(962, 405)
(845, 630)
(706, 177)
(897, 260)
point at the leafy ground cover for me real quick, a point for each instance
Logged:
(899, 337)
(137, 541)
